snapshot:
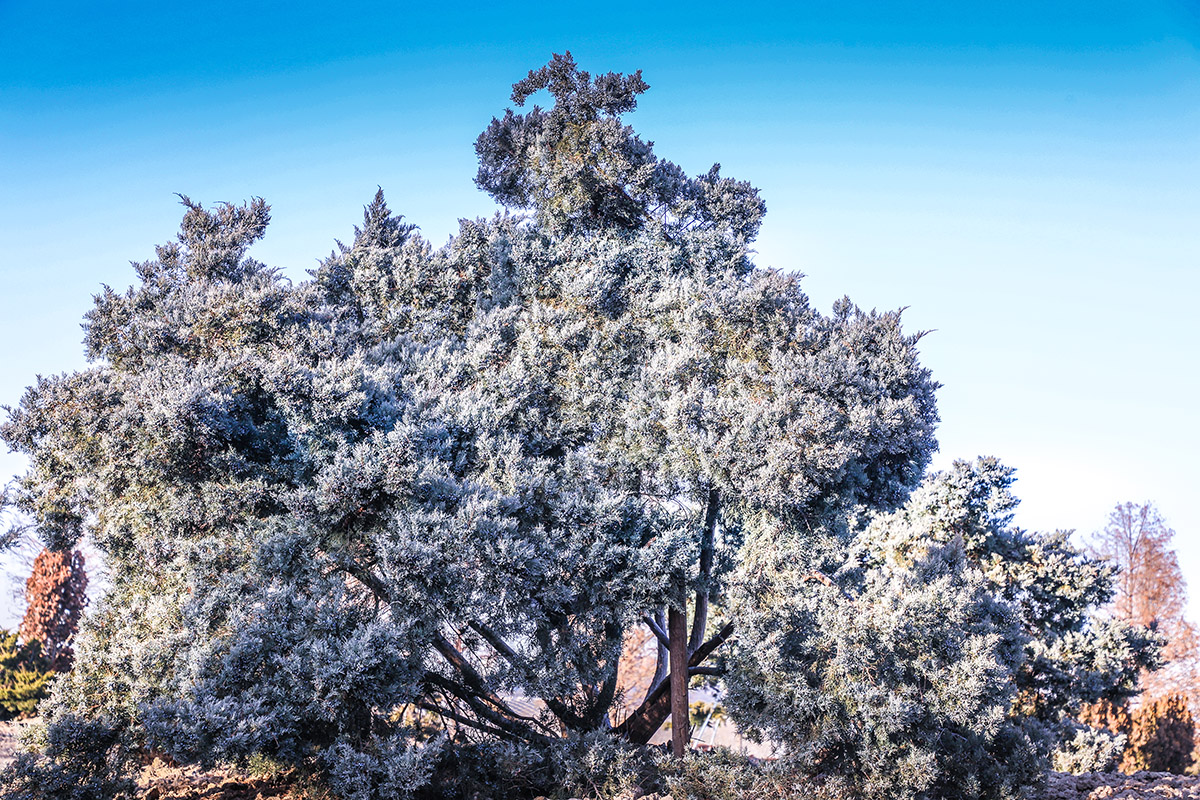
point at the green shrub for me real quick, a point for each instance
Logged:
(725, 775)
(79, 759)
(24, 677)
(1090, 750)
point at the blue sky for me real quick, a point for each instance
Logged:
(1025, 178)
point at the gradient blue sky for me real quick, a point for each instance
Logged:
(1024, 177)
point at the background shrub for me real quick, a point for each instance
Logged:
(1090, 750)
(24, 676)
(1159, 734)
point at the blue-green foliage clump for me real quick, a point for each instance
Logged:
(402, 514)
(936, 652)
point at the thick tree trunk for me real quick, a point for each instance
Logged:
(685, 651)
(680, 724)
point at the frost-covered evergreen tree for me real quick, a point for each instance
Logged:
(935, 653)
(437, 486)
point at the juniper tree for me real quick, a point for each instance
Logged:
(938, 651)
(443, 483)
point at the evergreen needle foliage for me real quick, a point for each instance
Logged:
(24, 676)
(399, 517)
(936, 652)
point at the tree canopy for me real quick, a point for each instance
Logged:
(945, 655)
(419, 499)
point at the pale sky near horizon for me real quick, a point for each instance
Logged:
(1025, 178)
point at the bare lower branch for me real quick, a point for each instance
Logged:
(660, 662)
(501, 717)
(461, 719)
(707, 548)
(557, 707)
(717, 671)
(654, 710)
(657, 630)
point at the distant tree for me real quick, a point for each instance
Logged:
(55, 596)
(1151, 590)
(1159, 735)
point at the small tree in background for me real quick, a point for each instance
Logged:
(1151, 591)
(55, 596)
(935, 653)
(1150, 587)
(24, 676)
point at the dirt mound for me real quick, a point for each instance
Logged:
(1117, 786)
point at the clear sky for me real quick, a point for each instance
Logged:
(1024, 177)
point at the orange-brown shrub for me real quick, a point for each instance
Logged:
(1160, 733)
(55, 595)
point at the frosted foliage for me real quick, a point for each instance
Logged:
(936, 653)
(1089, 750)
(354, 514)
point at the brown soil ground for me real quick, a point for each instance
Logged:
(163, 783)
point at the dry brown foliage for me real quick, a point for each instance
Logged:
(55, 596)
(1160, 735)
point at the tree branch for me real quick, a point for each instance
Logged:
(707, 547)
(608, 689)
(557, 707)
(496, 717)
(703, 651)
(363, 576)
(474, 681)
(657, 630)
(717, 671)
(459, 718)
(660, 658)
(496, 641)
(821, 577)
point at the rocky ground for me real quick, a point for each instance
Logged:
(1115, 786)
(160, 781)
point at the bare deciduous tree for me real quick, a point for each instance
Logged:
(1151, 591)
